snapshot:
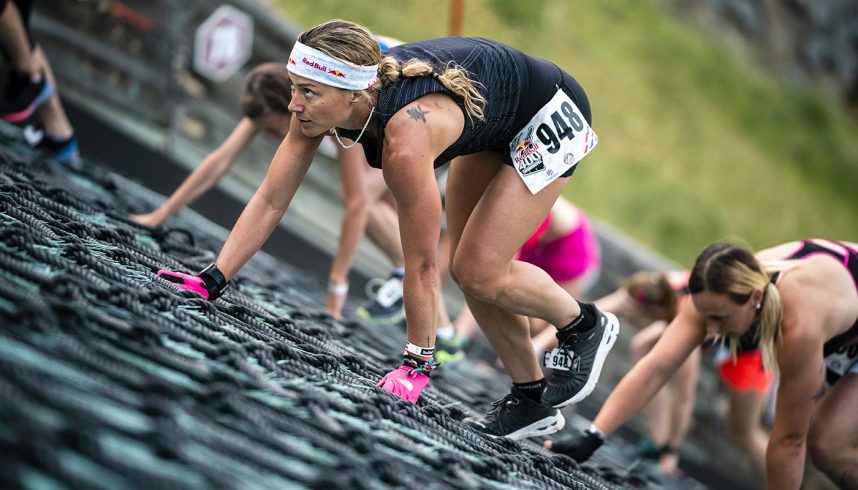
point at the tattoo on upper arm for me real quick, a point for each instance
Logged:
(417, 113)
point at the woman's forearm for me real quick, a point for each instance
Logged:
(213, 167)
(682, 406)
(420, 226)
(785, 463)
(680, 338)
(421, 290)
(269, 203)
(351, 232)
(614, 302)
(250, 232)
(633, 392)
(199, 182)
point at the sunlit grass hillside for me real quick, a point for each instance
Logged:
(696, 143)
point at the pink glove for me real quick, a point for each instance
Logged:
(185, 281)
(404, 382)
(209, 283)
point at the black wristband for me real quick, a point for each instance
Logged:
(596, 432)
(214, 281)
(666, 449)
(581, 446)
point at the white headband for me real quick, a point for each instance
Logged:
(320, 67)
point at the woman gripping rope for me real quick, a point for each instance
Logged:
(518, 126)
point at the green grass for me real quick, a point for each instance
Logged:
(696, 142)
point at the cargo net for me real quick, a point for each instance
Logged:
(110, 377)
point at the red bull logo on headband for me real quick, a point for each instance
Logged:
(323, 68)
(315, 65)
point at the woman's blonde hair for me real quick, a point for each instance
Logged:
(354, 43)
(728, 269)
(266, 89)
(653, 293)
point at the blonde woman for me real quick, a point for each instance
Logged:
(264, 102)
(518, 125)
(799, 300)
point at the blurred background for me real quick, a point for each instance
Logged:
(718, 119)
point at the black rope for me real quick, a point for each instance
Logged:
(109, 376)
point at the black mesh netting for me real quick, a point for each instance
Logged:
(110, 377)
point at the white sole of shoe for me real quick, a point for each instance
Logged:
(543, 427)
(612, 330)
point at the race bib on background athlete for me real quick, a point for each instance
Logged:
(839, 361)
(552, 142)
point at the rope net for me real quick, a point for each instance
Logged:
(112, 378)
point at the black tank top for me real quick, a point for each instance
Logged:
(514, 85)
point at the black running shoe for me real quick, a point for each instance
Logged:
(388, 305)
(516, 417)
(22, 96)
(577, 361)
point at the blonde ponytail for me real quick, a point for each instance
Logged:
(454, 78)
(354, 43)
(770, 316)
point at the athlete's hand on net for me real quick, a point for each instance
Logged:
(579, 447)
(188, 283)
(148, 219)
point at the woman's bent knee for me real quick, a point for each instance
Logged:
(476, 281)
(825, 451)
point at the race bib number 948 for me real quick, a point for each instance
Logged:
(560, 359)
(552, 142)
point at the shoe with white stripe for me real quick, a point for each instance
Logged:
(516, 417)
(578, 360)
